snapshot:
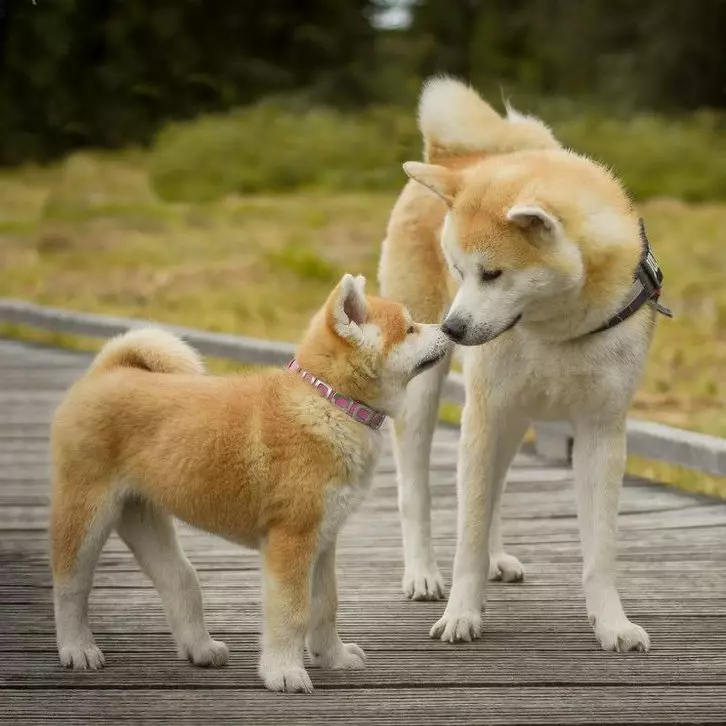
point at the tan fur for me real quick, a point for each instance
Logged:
(527, 247)
(260, 459)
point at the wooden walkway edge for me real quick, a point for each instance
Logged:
(537, 663)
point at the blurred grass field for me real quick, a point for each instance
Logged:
(129, 233)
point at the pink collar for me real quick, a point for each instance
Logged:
(355, 409)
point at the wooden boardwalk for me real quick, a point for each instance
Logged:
(538, 661)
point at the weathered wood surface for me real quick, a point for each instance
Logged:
(538, 661)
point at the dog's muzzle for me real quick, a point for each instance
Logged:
(457, 330)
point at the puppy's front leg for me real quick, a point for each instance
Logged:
(489, 440)
(599, 465)
(324, 645)
(286, 570)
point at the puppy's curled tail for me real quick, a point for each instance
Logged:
(149, 349)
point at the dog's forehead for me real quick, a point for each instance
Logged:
(485, 237)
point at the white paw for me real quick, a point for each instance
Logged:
(506, 568)
(621, 635)
(205, 653)
(457, 627)
(287, 679)
(423, 583)
(345, 657)
(82, 657)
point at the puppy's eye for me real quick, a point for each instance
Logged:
(410, 331)
(489, 275)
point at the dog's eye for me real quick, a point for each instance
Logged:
(489, 275)
(410, 331)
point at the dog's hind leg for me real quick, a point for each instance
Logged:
(150, 535)
(81, 520)
(412, 436)
(502, 566)
(598, 460)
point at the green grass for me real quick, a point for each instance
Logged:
(92, 233)
(273, 148)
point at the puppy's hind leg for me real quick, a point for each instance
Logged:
(81, 520)
(150, 535)
(412, 436)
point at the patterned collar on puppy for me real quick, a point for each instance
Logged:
(355, 409)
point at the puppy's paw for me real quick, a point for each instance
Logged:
(423, 583)
(82, 657)
(205, 653)
(457, 627)
(286, 679)
(621, 635)
(345, 657)
(506, 568)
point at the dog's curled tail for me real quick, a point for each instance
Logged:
(455, 119)
(149, 349)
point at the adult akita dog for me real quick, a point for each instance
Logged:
(541, 251)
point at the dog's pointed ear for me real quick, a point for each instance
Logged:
(348, 306)
(540, 225)
(438, 179)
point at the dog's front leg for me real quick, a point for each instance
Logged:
(286, 570)
(325, 647)
(599, 464)
(489, 441)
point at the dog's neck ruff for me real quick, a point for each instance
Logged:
(647, 286)
(355, 409)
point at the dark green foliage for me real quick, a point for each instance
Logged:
(271, 147)
(108, 72)
(660, 54)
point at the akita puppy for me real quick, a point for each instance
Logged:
(541, 252)
(274, 460)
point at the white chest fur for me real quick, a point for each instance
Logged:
(343, 498)
(561, 381)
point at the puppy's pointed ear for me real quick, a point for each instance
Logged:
(348, 307)
(540, 226)
(438, 179)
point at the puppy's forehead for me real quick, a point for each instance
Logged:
(392, 318)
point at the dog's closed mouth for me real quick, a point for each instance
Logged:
(429, 362)
(511, 325)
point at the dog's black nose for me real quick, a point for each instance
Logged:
(454, 328)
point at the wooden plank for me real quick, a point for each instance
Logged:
(446, 706)
(538, 661)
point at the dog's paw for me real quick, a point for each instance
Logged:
(287, 679)
(345, 657)
(423, 583)
(620, 636)
(506, 568)
(457, 627)
(205, 653)
(82, 657)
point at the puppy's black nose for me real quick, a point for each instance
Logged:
(454, 328)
